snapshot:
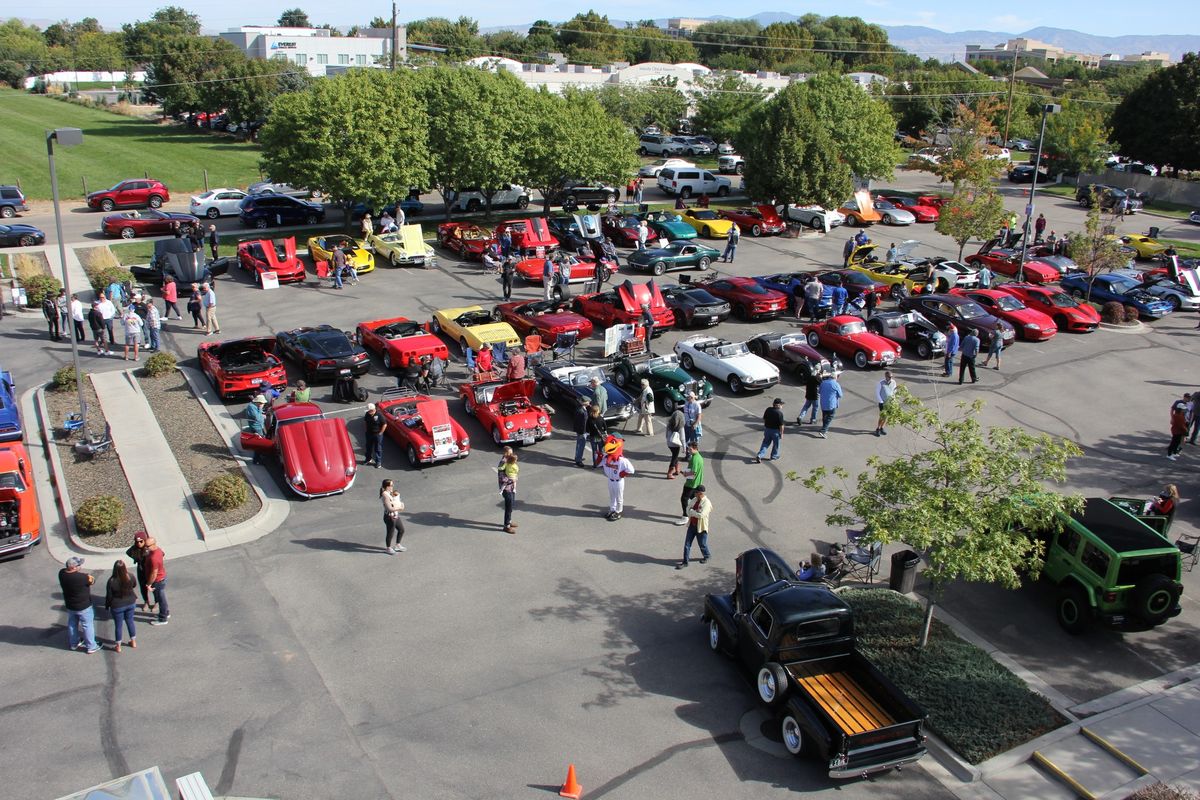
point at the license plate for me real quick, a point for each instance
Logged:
(526, 440)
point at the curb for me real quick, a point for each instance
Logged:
(949, 760)
(1140, 327)
(1131, 694)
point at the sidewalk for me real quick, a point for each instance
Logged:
(80, 285)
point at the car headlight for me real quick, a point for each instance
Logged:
(426, 448)
(464, 443)
(542, 420)
(508, 426)
(350, 471)
(1032, 326)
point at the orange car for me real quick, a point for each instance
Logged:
(860, 210)
(20, 523)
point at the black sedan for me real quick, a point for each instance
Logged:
(568, 382)
(964, 313)
(585, 194)
(1023, 173)
(694, 307)
(21, 236)
(323, 352)
(909, 328)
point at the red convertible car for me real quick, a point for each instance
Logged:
(622, 305)
(257, 256)
(314, 450)
(507, 410)
(546, 318)
(400, 341)
(129, 224)
(1031, 325)
(1006, 261)
(583, 268)
(622, 230)
(20, 521)
(464, 238)
(241, 367)
(756, 221)
(914, 205)
(848, 337)
(423, 427)
(1067, 312)
(747, 297)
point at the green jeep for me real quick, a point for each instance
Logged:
(1111, 566)
(670, 382)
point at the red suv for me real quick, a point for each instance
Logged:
(133, 193)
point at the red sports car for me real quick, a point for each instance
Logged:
(314, 450)
(130, 224)
(622, 230)
(257, 256)
(546, 318)
(747, 297)
(1031, 325)
(507, 410)
(1067, 312)
(400, 341)
(622, 305)
(1006, 261)
(913, 205)
(756, 221)
(20, 521)
(583, 268)
(848, 337)
(464, 238)
(423, 427)
(530, 237)
(241, 367)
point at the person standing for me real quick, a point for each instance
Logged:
(693, 476)
(170, 296)
(393, 526)
(731, 243)
(256, 421)
(137, 553)
(597, 429)
(214, 241)
(839, 299)
(302, 393)
(645, 422)
(580, 422)
(77, 597)
(995, 348)
(64, 313)
(156, 580)
(830, 396)
(951, 349)
(195, 306)
(884, 393)
(120, 598)
(1179, 425)
(1039, 227)
(366, 226)
(676, 426)
(772, 431)
(153, 323)
(208, 298)
(96, 321)
(375, 426)
(697, 515)
(616, 468)
(643, 233)
(338, 267)
(515, 369)
(599, 394)
(870, 300)
(812, 298)
(1194, 418)
(507, 475)
(985, 277)
(693, 415)
(508, 268)
(637, 198)
(847, 251)
(647, 324)
(966, 359)
(812, 385)
(547, 278)
(108, 310)
(890, 256)
(132, 325)
(76, 314)
(50, 312)
(399, 218)
(505, 243)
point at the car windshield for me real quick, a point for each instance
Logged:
(753, 288)
(12, 480)
(730, 350)
(791, 338)
(398, 330)
(970, 311)
(662, 361)
(883, 204)
(851, 328)
(390, 238)
(474, 318)
(1062, 300)
(1009, 303)
(704, 214)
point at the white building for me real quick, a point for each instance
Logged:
(558, 75)
(68, 78)
(316, 49)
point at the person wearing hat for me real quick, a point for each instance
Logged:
(616, 468)
(698, 512)
(772, 431)
(375, 425)
(599, 395)
(256, 419)
(645, 423)
(77, 597)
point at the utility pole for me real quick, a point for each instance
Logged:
(1012, 78)
(395, 37)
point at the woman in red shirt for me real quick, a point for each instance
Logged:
(1165, 502)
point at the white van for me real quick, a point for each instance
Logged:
(686, 182)
(509, 195)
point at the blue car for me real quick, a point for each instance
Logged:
(787, 282)
(1119, 288)
(10, 419)
(567, 382)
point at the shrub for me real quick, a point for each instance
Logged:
(1132, 314)
(225, 492)
(38, 286)
(1160, 791)
(976, 705)
(159, 364)
(103, 277)
(99, 514)
(64, 379)
(1112, 312)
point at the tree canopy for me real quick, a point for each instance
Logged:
(1158, 122)
(966, 163)
(1077, 137)
(657, 103)
(972, 212)
(294, 18)
(723, 101)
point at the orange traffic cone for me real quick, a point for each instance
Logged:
(571, 788)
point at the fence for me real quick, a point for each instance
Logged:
(1169, 190)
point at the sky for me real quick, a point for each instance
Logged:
(1107, 18)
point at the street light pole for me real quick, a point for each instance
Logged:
(67, 137)
(1047, 110)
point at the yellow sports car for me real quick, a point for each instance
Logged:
(405, 247)
(1144, 245)
(320, 248)
(862, 260)
(472, 326)
(707, 223)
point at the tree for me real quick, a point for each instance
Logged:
(966, 163)
(722, 101)
(379, 22)
(860, 125)
(12, 74)
(1159, 121)
(1076, 137)
(293, 18)
(101, 52)
(967, 503)
(657, 103)
(24, 45)
(733, 37)
(1093, 250)
(648, 42)
(252, 86)
(590, 37)
(460, 37)
(66, 34)
(376, 151)
(144, 39)
(971, 213)
(179, 76)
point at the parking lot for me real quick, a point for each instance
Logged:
(480, 664)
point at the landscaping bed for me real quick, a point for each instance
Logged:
(199, 448)
(978, 707)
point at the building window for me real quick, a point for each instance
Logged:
(322, 58)
(361, 60)
(280, 56)
(343, 58)
(301, 59)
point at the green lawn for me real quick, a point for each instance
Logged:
(114, 148)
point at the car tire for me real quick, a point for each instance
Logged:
(792, 734)
(107, 205)
(1154, 597)
(860, 359)
(896, 293)
(658, 268)
(685, 192)
(643, 151)
(387, 359)
(569, 200)
(1072, 609)
(523, 203)
(155, 201)
(851, 221)
(888, 219)
(27, 241)
(261, 223)
(394, 259)
(468, 406)
(737, 170)
(619, 378)
(924, 350)
(610, 198)
(212, 213)
(816, 224)
(735, 383)
(716, 638)
(1173, 300)
(703, 263)
(722, 191)
(756, 231)
(546, 392)
(462, 345)
(411, 453)
(813, 339)
(605, 274)
(128, 233)
(686, 361)
(311, 219)
(497, 437)
(7, 212)
(668, 403)
(771, 683)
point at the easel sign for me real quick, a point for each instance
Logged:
(615, 335)
(270, 280)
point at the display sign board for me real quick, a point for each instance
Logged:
(615, 335)
(270, 280)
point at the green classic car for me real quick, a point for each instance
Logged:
(669, 225)
(676, 255)
(670, 382)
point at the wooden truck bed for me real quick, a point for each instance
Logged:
(842, 698)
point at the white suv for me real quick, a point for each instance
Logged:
(471, 199)
(687, 181)
(659, 145)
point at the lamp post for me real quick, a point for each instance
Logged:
(67, 137)
(1047, 110)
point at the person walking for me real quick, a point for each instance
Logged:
(153, 324)
(120, 598)
(693, 476)
(951, 349)
(696, 515)
(995, 348)
(830, 396)
(884, 393)
(597, 429)
(966, 359)
(579, 420)
(170, 296)
(393, 526)
(599, 394)
(772, 431)
(208, 299)
(375, 426)
(812, 386)
(1179, 425)
(132, 325)
(96, 322)
(76, 588)
(645, 422)
(1039, 227)
(50, 312)
(675, 433)
(507, 473)
(1194, 418)
(731, 243)
(156, 580)
(214, 242)
(616, 468)
(985, 277)
(693, 417)
(508, 268)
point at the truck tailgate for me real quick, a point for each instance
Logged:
(840, 696)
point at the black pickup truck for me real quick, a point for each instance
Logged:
(797, 639)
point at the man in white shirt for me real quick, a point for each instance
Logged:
(208, 299)
(77, 317)
(884, 393)
(109, 311)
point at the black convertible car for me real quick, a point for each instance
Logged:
(694, 307)
(323, 352)
(21, 236)
(568, 381)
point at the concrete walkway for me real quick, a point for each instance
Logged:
(80, 285)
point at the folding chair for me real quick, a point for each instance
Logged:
(1189, 546)
(564, 345)
(862, 563)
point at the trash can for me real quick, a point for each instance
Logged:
(1153, 232)
(904, 571)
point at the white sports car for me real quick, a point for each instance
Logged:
(727, 361)
(812, 216)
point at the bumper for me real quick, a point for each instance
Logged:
(331, 492)
(14, 545)
(1076, 326)
(618, 414)
(329, 373)
(1038, 335)
(1117, 620)
(772, 314)
(868, 769)
(761, 383)
(247, 388)
(525, 436)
